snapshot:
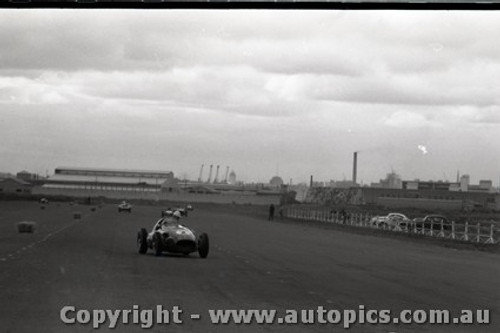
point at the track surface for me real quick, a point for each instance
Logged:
(253, 264)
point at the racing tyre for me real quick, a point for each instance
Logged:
(203, 245)
(157, 248)
(142, 244)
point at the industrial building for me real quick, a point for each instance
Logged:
(154, 185)
(392, 192)
(12, 185)
(108, 179)
(404, 198)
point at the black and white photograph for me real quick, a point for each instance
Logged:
(249, 170)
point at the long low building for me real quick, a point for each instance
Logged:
(108, 179)
(150, 185)
(403, 198)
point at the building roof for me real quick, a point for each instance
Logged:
(14, 179)
(145, 172)
(63, 178)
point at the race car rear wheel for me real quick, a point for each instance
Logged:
(157, 246)
(203, 245)
(142, 243)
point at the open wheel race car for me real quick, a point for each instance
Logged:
(124, 207)
(168, 235)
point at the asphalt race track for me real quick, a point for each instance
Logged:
(92, 263)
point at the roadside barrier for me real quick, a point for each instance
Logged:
(470, 231)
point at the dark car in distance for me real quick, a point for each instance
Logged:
(432, 222)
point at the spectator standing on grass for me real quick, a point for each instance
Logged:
(271, 212)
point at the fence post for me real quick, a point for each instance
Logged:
(491, 240)
(441, 231)
(466, 231)
(452, 229)
(478, 236)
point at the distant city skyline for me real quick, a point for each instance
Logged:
(263, 92)
(222, 179)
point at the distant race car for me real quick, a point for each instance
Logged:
(391, 220)
(125, 207)
(170, 211)
(168, 235)
(189, 207)
(183, 211)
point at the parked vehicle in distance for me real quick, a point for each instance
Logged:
(124, 207)
(433, 222)
(168, 235)
(392, 221)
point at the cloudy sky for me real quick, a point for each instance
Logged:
(292, 93)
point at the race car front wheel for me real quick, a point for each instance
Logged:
(142, 245)
(203, 245)
(157, 246)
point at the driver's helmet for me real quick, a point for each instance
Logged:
(177, 214)
(168, 213)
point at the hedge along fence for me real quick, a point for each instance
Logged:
(477, 232)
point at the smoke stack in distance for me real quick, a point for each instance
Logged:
(354, 167)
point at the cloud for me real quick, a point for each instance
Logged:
(19, 90)
(250, 86)
(408, 119)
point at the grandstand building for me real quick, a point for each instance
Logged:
(108, 179)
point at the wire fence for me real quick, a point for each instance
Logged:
(470, 231)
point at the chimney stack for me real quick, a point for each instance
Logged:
(210, 174)
(216, 179)
(354, 167)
